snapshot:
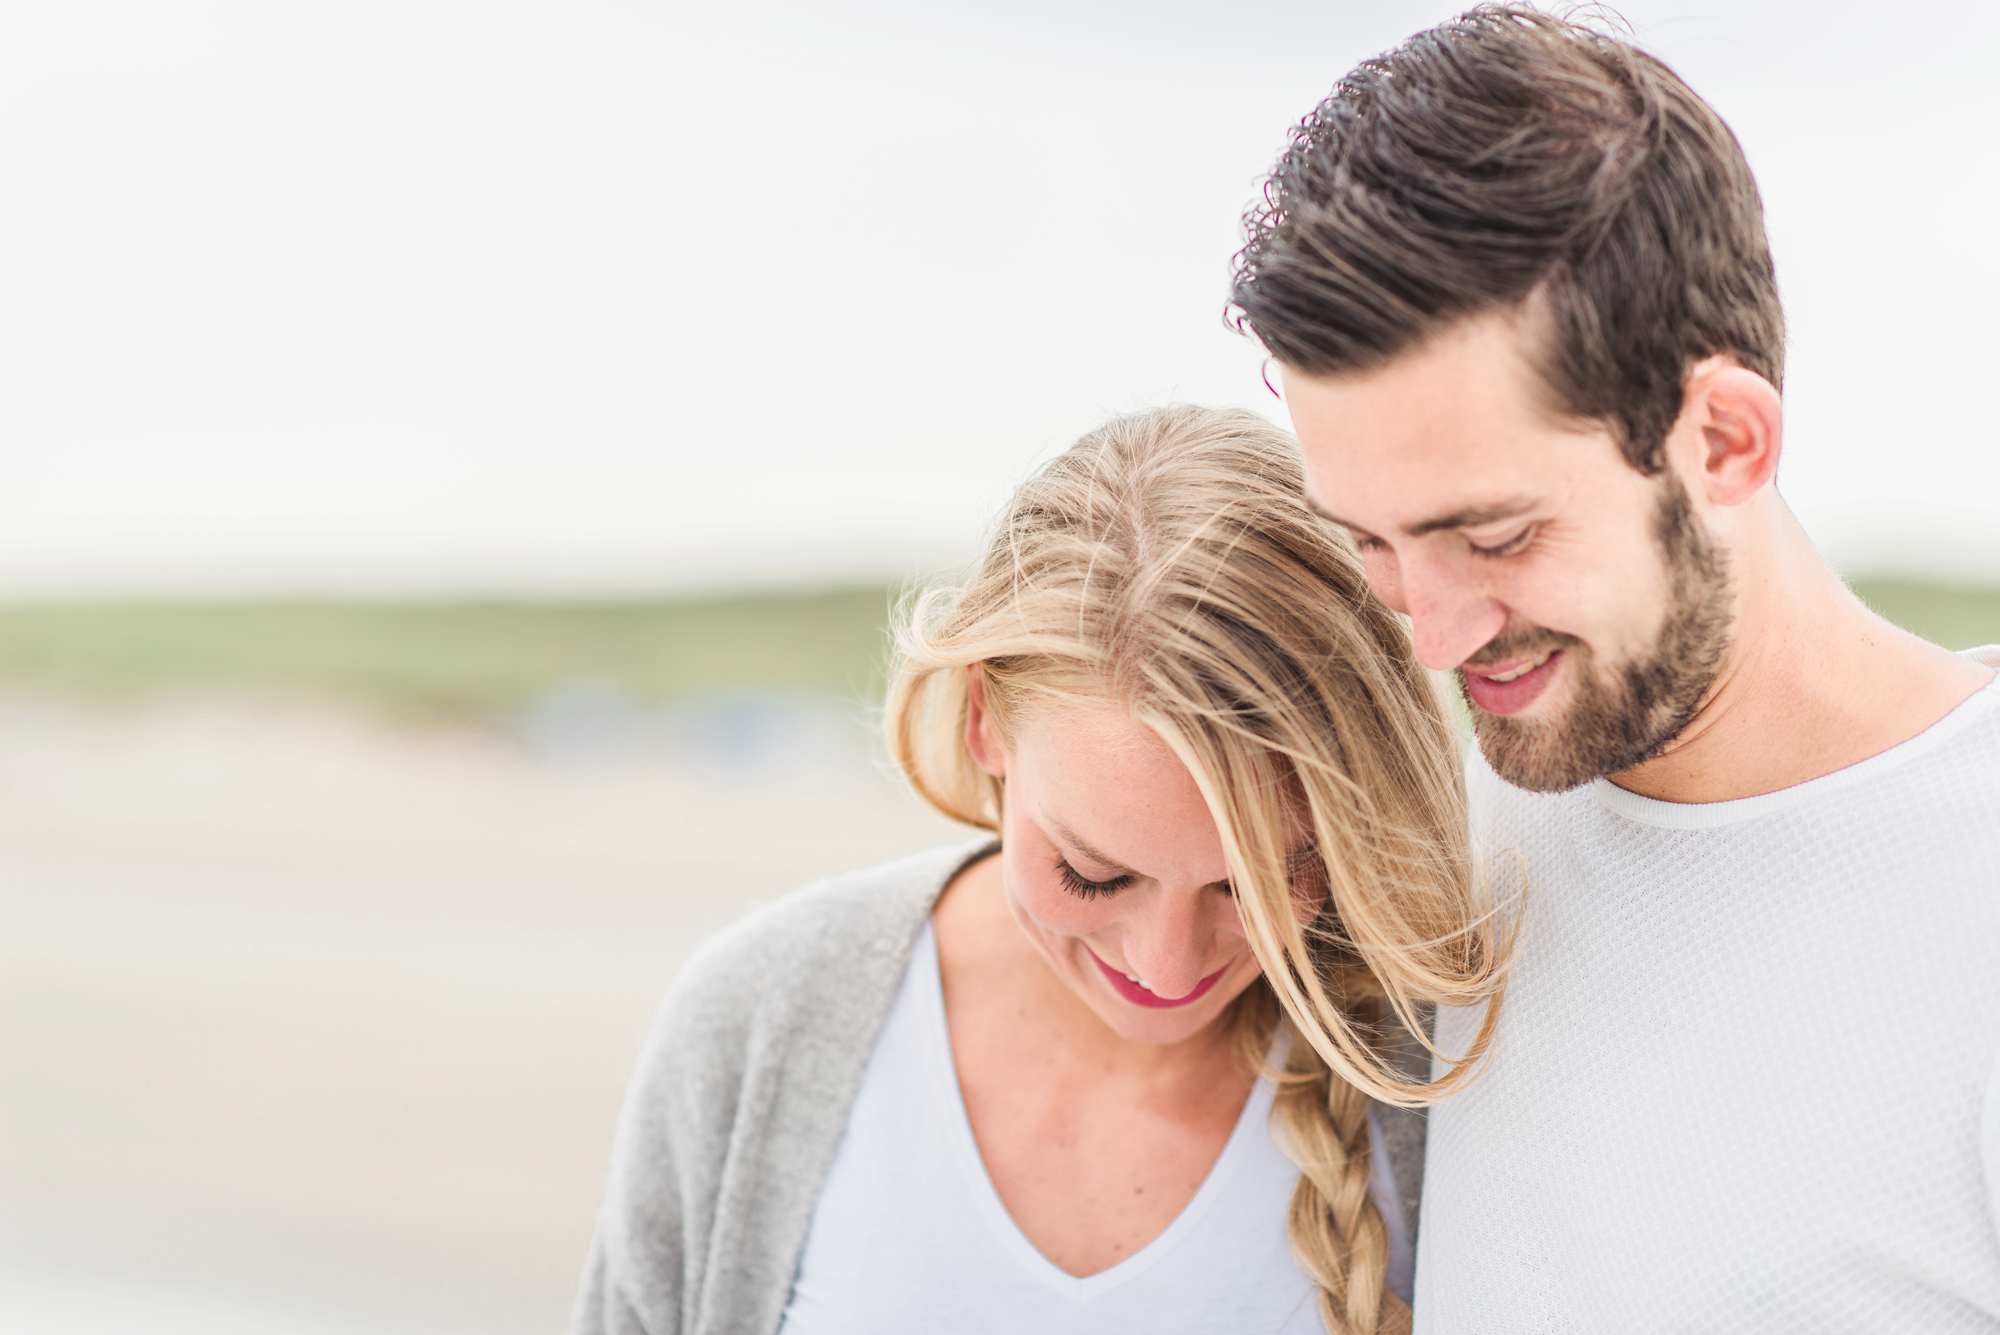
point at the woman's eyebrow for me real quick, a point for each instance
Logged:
(1090, 854)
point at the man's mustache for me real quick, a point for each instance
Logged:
(1519, 644)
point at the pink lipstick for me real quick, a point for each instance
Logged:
(1139, 996)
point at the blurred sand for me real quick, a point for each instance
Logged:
(310, 1025)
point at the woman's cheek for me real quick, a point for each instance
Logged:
(1054, 908)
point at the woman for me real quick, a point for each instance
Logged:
(1114, 1071)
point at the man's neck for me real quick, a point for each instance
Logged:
(1814, 682)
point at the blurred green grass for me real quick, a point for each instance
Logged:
(1957, 616)
(464, 661)
(475, 661)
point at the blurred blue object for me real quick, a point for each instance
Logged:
(734, 735)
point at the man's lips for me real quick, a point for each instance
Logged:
(1139, 996)
(1508, 697)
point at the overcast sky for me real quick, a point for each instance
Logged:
(422, 295)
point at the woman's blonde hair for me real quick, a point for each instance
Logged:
(1168, 561)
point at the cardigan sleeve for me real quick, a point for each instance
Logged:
(642, 1275)
(648, 1258)
(740, 1101)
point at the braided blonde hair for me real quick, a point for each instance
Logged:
(1168, 561)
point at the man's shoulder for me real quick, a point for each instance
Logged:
(1946, 777)
(1984, 703)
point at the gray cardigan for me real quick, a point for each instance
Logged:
(741, 1099)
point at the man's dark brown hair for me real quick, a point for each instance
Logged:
(1508, 159)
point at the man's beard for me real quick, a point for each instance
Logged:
(1622, 717)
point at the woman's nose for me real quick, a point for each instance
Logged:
(1172, 939)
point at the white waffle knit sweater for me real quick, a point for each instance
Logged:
(1748, 1073)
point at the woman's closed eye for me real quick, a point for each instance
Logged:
(1082, 886)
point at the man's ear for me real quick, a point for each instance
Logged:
(982, 736)
(1734, 424)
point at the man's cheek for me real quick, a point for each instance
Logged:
(1384, 580)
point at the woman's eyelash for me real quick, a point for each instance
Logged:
(1304, 861)
(1077, 885)
(1508, 548)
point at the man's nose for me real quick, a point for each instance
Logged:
(1451, 617)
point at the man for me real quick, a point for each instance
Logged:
(1515, 277)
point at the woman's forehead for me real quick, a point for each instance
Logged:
(1105, 784)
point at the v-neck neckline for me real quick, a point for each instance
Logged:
(1252, 1120)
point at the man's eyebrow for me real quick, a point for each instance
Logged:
(1471, 516)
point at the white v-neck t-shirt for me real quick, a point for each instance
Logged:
(910, 1236)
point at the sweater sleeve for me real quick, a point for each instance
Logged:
(1989, 1141)
(740, 1101)
(648, 1257)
